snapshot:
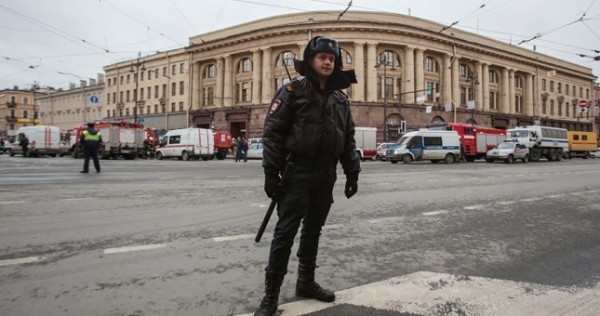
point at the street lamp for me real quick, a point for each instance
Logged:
(135, 69)
(385, 63)
(474, 80)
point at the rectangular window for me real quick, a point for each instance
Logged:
(127, 93)
(25, 100)
(389, 87)
(114, 112)
(173, 88)
(580, 92)
(141, 76)
(141, 93)
(174, 70)
(181, 88)
(107, 113)
(164, 71)
(544, 84)
(551, 85)
(559, 87)
(114, 98)
(163, 108)
(587, 93)
(108, 98)
(245, 92)
(148, 109)
(463, 96)
(128, 78)
(156, 92)
(176, 139)
(155, 108)
(551, 107)
(149, 74)
(180, 106)
(25, 114)
(210, 96)
(567, 89)
(127, 111)
(156, 73)
(142, 110)
(120, 96)
(181, 68)
(432, 141)
(121, 80)
(149, 93)
(108, 84)
(574, 94)
(172, 106)
(575, 137)
(164, 90)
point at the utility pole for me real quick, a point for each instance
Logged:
(135, 69)
(385, 63)
(473, 78)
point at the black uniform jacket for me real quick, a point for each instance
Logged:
(307, 124)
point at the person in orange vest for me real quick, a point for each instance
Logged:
(90, 140)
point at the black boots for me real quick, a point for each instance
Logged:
(268, 305)
(306, 285)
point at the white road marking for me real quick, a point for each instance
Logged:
(234, 238)
(555, 196)
(435, 213)
(531, 199)
(474, 207)
(9, 262)
(507, 202)
(110, 251)
(426, 293)
(79, 199)
(12, 202)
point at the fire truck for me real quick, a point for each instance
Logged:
(119, 138)
(222, 144)
(475, 141)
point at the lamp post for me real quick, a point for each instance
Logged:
(384, 62)
(474, 80)
(135, 69)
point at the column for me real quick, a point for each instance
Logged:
(196, 86)
(409, 75)
(447, 80)
(228, 84)
(256, 74)
(371, 72)
(455, 82)
(479, 87)
(220, 80)
(504, 90)
(485, 84)
(358, 90)
(529, 94)
(267, 76)
(419, 73)
(511, 92)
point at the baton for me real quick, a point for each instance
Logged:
(265, 221)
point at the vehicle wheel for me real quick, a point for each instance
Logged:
(510, 159)
(204, 158)
(559, 155)
(394, 161)
(374, 158)
(159, 156)
(10, 153)
(185, 156)
(489, 160)
(435, 161)
(535, 154)
(470, 158)
(449, 158)
(587, 155)
(526, 159)
(407, 159)
(551, 155)
(221, 155)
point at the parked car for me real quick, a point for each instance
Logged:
(508, 151)
(255, 151)
(381, 149)
(7, 147)
(595, 154)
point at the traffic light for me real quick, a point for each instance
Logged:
(429, 91)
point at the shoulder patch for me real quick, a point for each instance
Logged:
(289, 88)
(275, 106)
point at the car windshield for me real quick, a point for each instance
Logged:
(505, 146)
(402, 140)
(513, 134)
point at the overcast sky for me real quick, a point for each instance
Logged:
(43, 38)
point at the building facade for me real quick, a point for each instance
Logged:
(74, 107)
(17, 108)
(410, 73)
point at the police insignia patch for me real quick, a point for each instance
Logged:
(275, 106)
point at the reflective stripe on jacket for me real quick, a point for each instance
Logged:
(91, 137)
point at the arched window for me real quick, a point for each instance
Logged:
(245, 65)
(285, 57)
(518, 82)
(346, 56)
(432, 65)
(493, 76)
(209, 71)
(388, 57)
(464, 70)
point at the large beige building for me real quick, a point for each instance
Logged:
(17, 108)
(226, 79)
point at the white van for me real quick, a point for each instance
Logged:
(187, 143)
(43, 140)
(426, 145)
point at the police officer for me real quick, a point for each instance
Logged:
(90, 140)
(308, 129)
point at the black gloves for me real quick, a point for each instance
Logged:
(273, 187)
(351, 185)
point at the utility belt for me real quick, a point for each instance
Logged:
(319, 163)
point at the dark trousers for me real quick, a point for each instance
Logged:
(307, 200)
(90, 152)
(24, 149)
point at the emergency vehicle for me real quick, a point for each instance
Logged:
(43, 140)
(543, 141)
(366, 142)
(119, 138)
(187, 143)
(582, 144)
(222, 144)
(475, 141)
(426, 145)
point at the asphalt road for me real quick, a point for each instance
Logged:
(177, 237)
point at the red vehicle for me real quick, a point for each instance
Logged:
(222, 144)
(475, 140)
(119, 138)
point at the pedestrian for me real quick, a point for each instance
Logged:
(239, 149)
(91, 139)
(24, 143)
(308, 129)
(245, 146)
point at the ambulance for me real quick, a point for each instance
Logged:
(187, 143)
(43, 140)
